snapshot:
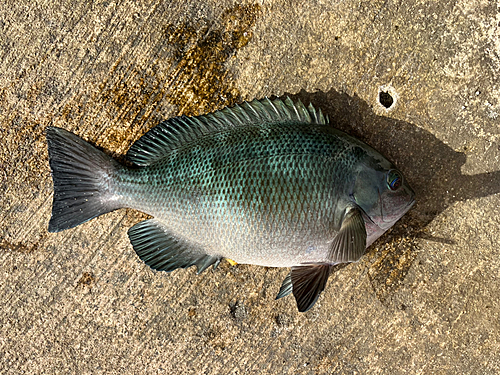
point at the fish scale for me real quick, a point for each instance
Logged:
(299, 167)
(266, 182)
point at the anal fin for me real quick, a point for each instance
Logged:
(286, 287)
(163, 251)
(308, 281)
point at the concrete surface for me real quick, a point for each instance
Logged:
(424, 300)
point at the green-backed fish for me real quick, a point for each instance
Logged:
(267, 182)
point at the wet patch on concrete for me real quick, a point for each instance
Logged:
(86, 280)
(18, 247)
(200, 82)
(189, 71)
(390, 260)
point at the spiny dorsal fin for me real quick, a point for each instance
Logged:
(170, 134)
(163, 251)
(350, 242)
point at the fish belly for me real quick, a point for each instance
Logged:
(280, 216)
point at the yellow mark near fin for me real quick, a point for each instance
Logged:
(231, 262)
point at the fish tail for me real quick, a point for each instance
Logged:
(82, 176)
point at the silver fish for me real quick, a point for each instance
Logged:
(266, 182)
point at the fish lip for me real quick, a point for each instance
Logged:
(408, 207)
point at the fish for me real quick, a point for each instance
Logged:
(266, 182)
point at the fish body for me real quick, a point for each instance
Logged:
(267, 183)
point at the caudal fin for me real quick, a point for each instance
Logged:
(82, 176)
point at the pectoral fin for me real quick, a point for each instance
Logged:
(308, 282)
(350, 243)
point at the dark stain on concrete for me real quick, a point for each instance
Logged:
(18, 247)
(391, 258)
(189, 70)
(86, 280)
(238, 311)
(200, 81)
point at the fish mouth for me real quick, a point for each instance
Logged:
(388, 220)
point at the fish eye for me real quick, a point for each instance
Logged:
(394, 179)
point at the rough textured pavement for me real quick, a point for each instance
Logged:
(424, 300)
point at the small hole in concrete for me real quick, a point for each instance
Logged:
(385, 99)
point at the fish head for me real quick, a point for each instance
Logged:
(382, 192)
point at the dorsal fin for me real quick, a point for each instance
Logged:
(170, 134)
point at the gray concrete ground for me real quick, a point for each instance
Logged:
(424, 300)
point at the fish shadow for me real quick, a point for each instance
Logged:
(433, 169)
